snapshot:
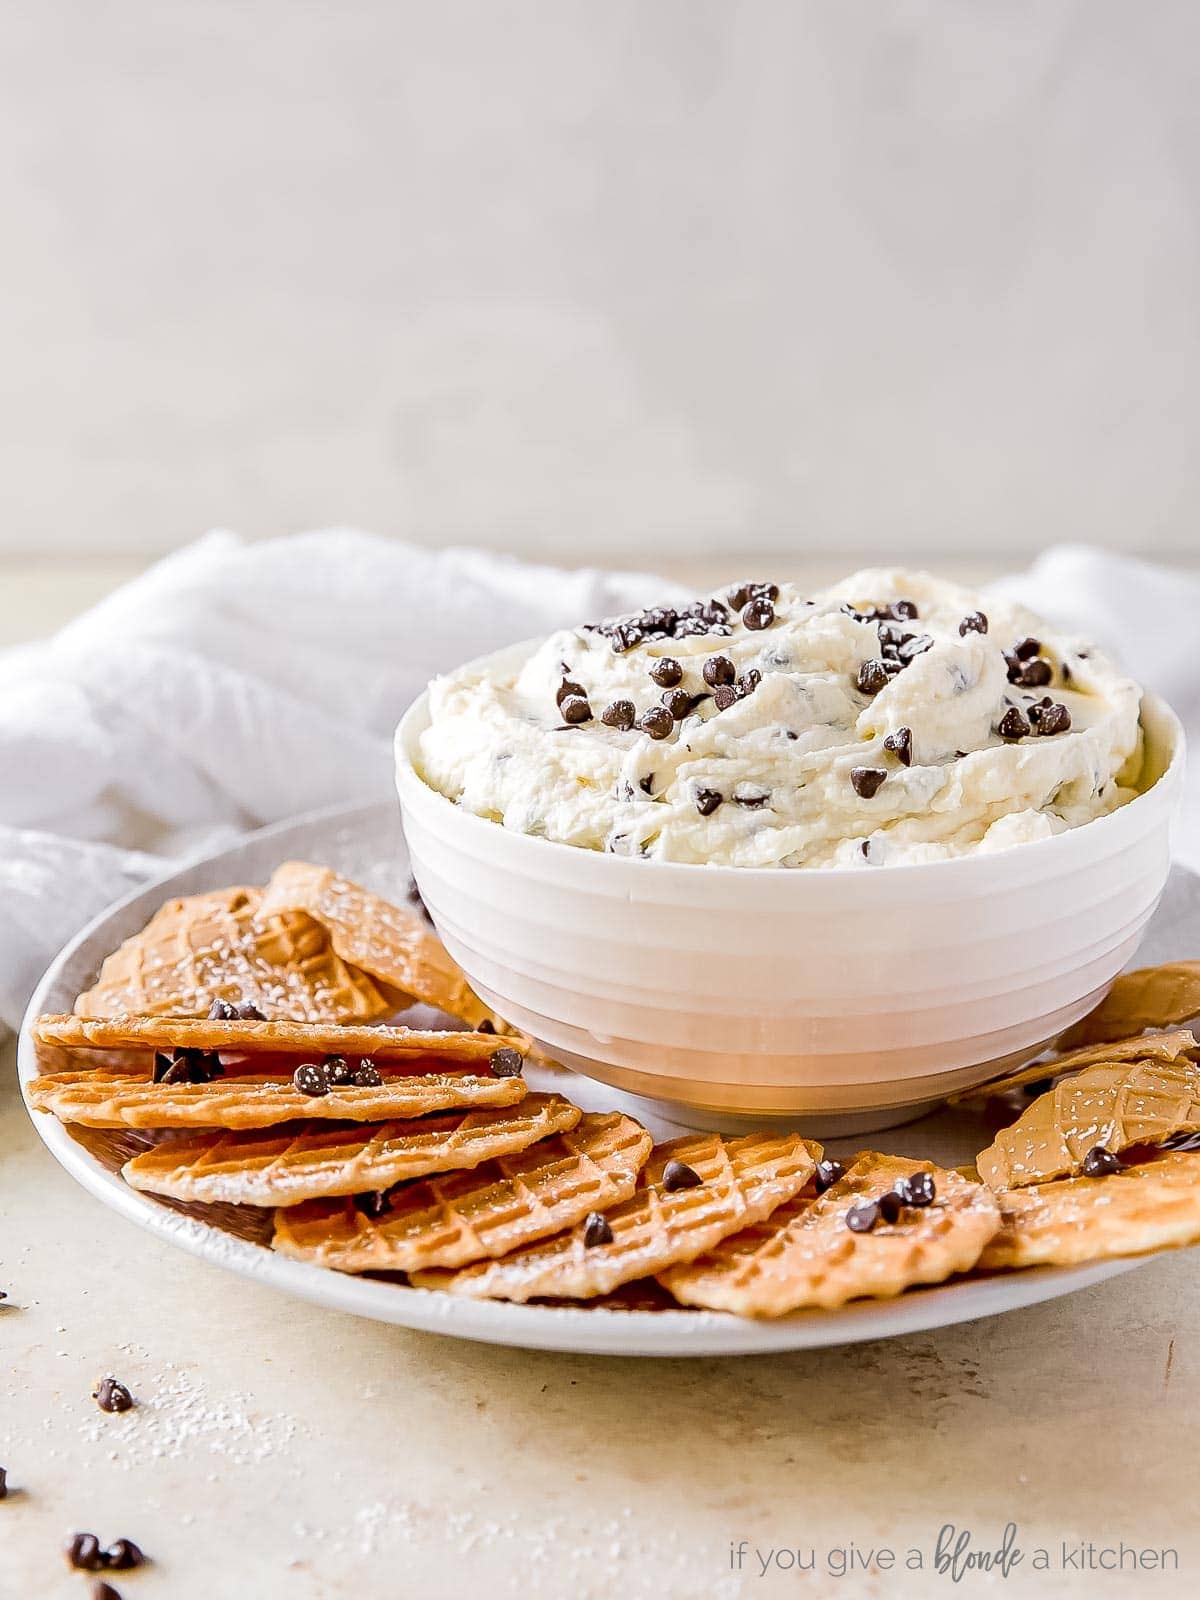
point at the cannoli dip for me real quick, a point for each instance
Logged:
(891, 718)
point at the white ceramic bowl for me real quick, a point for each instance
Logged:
(845, 998)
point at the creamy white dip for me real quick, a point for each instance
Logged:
(873, 723)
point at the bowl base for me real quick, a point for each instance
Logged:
(819, 1125)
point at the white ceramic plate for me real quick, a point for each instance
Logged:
(367, 844)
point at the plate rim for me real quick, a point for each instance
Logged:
(582, 1330)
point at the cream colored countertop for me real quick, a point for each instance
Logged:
(278, 1449)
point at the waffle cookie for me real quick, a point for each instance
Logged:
(395, 947)
(1110, 1105)
(306, 1163)
(99, 1099)
(307, 1041)
(807, 1254)
(469, 1216)
(1146, 1047)
(1153, 1206)
(224, 946)
(1152, 997)
(693, 1193)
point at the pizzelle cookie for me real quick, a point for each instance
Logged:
(307, 1041)
(1151, 997)
(1147, 1046)
(395, 947)
(468, 1216)
(1152, 1206)
(693, 1193)
(1110, 1106)
(99, 1099)
(306, 1163)
(223, 946)
(812, 1252)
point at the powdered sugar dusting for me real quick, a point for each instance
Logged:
(177, 1414)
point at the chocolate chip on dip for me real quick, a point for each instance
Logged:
(867, 781)
(871, 677)
(657, 722)
(1014, 724)
(718, 670)
(619, 714)
(667, 672)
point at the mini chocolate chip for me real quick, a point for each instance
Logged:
(973, 622)
(506, 1063)
(486, 1026)
(338, 1071)
(745, 592)
(1013, 724)
(678, 1175)
(646, 784)
(861, 1218)
(248, 1012)
(900, 745)
(123, 1555)
(367, 1075)
(657, 722)
(707, 801)
(748, 682)
(718, 670)
(104, 1591)
(3, 1483)
(751, 802)
(867, 781)
(568, 689)
(667, 672)
(110, 1395)
(574, 710)
(1036, 674)
(1066, 672)
(724, 696)
(759, 614)
(904, 610)
(1024, 648)
(373, 1203)
(918, 1189)
(619, 714)
(678, 702)
(890, 1206)
(186, 1066)
(1054, 719)
(1101, 1163)
(871, 677)
(596, 1230)
(310, 1080)
(827, 1174)
(222, 1011)
(914, 645)
(84, 1553)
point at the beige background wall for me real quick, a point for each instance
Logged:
(648, 275)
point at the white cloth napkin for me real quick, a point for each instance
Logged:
(236, 684)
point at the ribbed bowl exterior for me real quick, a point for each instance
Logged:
(745, 991)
